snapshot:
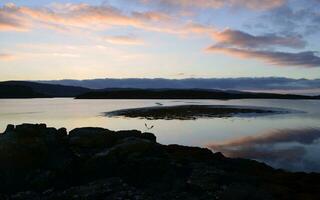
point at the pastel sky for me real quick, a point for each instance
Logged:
(42, 39)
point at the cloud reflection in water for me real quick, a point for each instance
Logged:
(291, 149)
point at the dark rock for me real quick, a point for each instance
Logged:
(130, 145)
(9, 128)
(218, 155)
(111, 189)
(189, 153)
(136, 134)
(62, 132)
(107, 161)
(92, 138)
(44, 163)
(29, 148)
(88, 141)
(28, 195)
(149, 136)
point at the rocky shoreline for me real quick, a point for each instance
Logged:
(44, 163)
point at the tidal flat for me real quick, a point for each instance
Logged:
(193, 112)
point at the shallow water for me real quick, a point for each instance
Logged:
(289, 141)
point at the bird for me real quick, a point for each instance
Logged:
(149, 128)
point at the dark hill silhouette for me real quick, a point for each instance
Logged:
(245, 83)
(184, 94)
(25, 89)
(18, 91)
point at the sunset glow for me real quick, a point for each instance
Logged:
(45, 40)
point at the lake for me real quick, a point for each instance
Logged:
(288, 141)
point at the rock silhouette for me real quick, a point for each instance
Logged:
(38, 162)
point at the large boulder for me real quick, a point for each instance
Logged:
(178, 152)
(30, 146)
(107, 162)
(27, 149)
(88, 141)
(136, 134)
(139, 161)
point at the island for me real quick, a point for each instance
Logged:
(28, 89)
(129, 93)
(40, 162)
(19, 91)
(193, 112)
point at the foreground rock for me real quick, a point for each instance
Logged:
(38, 162)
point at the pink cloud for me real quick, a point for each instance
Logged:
(85, 16)
(11, 19)
(6, 57)
(268, 147)
(303, 59)
(242, 39)
(124, 40)
(213, 4)
(302, 136)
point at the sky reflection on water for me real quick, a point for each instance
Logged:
(287, 148)
(287, 141)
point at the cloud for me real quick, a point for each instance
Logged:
(67, 17)
(213, 4)
(258, 4)
(285, 148)
(92, 18)
(266, 154)
(292, 19)
(82, 15)
(199, 29)
(8, 24)
(41, 50)
(124, 40)
(10, 20)
(245, 45)
(242, 39)
(85, 17)
(305, 59)
(302, 136)
(6, 57)
(152, 16)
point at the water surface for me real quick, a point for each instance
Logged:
(289, 141)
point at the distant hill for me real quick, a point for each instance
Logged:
(18, 91)
(184, 94)
(25, 89)
(267, 84)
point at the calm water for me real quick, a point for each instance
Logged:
(289, 141)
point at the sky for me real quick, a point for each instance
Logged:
(52, 40)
